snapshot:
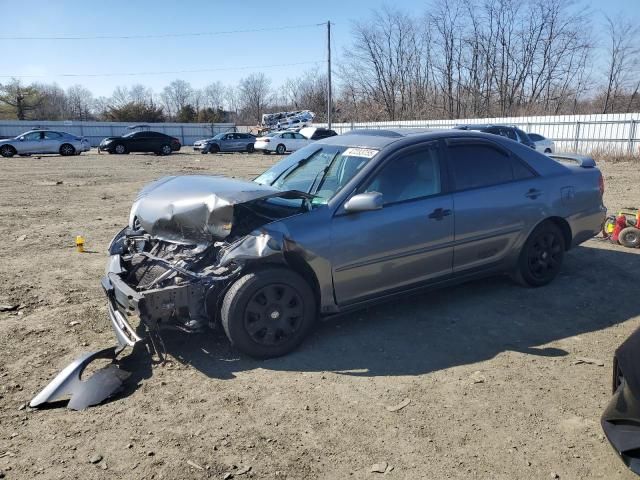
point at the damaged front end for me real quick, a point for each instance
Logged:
(188, 238)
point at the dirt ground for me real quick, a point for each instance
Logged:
(489, 368)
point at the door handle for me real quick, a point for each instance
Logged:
(439, 213)
(533, 193)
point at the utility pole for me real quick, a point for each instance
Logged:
(329, 103)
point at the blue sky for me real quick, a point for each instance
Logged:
(228, 52)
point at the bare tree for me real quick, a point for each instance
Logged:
(253, 94)
(79, 103)
(176, 96)
(623, 52)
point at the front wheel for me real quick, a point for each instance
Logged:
(268, 313)
(280, 149)
(7, 151)
(541, 256)
(120, 149)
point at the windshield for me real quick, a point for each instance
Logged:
(129, 134)
(321, 170)
(219, 136)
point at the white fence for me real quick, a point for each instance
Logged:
(611, 133)
(96, 131)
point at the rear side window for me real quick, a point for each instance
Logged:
(478, 165)
(509, 133)
(535, 137)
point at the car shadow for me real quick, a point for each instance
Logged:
(440, 329)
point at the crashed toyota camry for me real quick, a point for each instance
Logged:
(341, 223)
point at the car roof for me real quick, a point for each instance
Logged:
(479, 126)
(380, 138)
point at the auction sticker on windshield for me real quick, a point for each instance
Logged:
(360, 152)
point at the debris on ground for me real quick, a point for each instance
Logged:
(8, 308)
(244, 470)
(477, 377)
(379, 467)
(194, 465)
(399, 406)
(95, 458)
(589, 361)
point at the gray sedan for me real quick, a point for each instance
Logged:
(342, 223)
(226, 142)
(44, 141)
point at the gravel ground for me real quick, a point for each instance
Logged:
(489, 369)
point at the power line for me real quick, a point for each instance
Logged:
(163, 35)
(127, 74)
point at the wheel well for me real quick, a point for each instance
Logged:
(295, 263)
(565, 228)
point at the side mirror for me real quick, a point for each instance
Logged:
(364, 202)
(21, 139)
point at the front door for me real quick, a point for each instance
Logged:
(408, 241)
(31, 142)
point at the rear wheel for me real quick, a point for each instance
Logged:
(67, 149)
(7, 151)
(165, 149)
(268, 313)
(541, 256)
(280, 149)
(250, 148)
(629, 237)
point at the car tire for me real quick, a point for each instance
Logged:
(267, 313)
(629, 237)
(250, 148)
(165, 149)
(281, 149)
(7, 151)
(66, 150)
(541, 256)
(119, 149)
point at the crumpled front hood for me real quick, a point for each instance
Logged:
(196, 209)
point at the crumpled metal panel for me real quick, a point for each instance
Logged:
(84, 393)
(196, 209)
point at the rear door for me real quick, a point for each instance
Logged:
(51, 142)
(496, 197)
(408, 241)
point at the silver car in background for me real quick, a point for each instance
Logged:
(44, 141)
(226, 142)
(542, 144)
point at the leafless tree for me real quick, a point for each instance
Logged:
(176, 96)
(254, 91)
(623, 52)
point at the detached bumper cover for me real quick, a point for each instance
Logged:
(103, 384)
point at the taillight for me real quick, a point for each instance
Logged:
(601, 184)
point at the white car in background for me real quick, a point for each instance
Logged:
(281, 142)
(542, 144)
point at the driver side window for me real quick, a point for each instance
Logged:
(409, 177)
